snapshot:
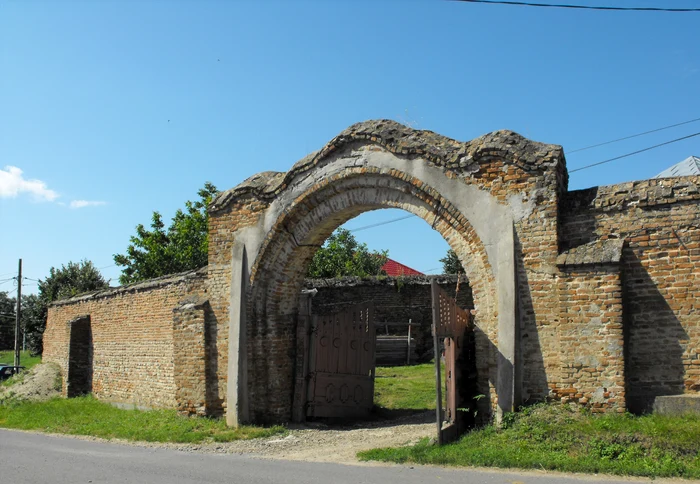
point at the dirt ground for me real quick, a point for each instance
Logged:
(321, 443)
(40, 383)
(313, 442)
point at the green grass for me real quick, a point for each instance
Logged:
(405, 387)
(25, 359)
(88, 416)
(555, 437)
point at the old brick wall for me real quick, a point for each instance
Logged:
(523, 177)
(223, 226)
(132, 338)
(591, 340)
(190, 356)
(659, 221)
(607, 312)
(396, 300)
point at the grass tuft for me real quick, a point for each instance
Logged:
(564, 438)
(88, 416)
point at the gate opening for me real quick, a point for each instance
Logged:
(337, 372)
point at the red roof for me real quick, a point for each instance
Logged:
(393, 268)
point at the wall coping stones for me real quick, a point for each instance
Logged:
(643, 193)
(464, 157)
(193, 302)
(197, 302)
(352, 281)
(147, 285)
(596, 252)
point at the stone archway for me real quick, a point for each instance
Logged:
(264, 232)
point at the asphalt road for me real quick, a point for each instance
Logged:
(35, 458)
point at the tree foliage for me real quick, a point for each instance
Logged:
(7, 321)
(70, 280)
(341, 255)
(451, 263)
(30, 323)
(33, 322)
(159, 251)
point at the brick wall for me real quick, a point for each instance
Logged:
(659, 220)
(132, 338)
(607, 305)
(396, 300)
(190, 357)
(591, 340)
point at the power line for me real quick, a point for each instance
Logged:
(633, 136)
(635, 152)
(382, 223)
(431, 270)
(583, 7)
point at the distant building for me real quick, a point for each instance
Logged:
(393, 268)
(687, 167)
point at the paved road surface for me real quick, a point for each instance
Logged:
(35, 458)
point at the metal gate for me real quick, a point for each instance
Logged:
(340, 380)
(452, 325)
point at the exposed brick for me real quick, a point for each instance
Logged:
(608, 315)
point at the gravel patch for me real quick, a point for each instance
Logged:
(334, 443)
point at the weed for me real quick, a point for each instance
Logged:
(566, 438)
(88, 416)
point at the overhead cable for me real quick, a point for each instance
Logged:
(583, 7)
(634, 152)
(381, 223)
(633, 136)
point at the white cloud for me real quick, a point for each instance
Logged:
(86, 203)
(12, 184)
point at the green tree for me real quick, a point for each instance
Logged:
(341, 255)
(70, 280)
(33, 322)
(181, 247)
(7, 321)
(451, 263)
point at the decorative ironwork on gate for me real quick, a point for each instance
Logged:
(340, 380)
(452, 325)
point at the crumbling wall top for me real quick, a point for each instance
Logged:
(643, 193)
(464, 157)
(158, 282)
(352, 281)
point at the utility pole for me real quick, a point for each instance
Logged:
(18, 313)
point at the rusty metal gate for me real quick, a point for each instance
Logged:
(340, 381)
(452, 325)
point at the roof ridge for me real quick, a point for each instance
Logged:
(685, 167)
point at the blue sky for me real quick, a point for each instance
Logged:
(111, 110)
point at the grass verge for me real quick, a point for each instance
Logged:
(563, 438)
(405, 387)
(88, 416)
(26, 360)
